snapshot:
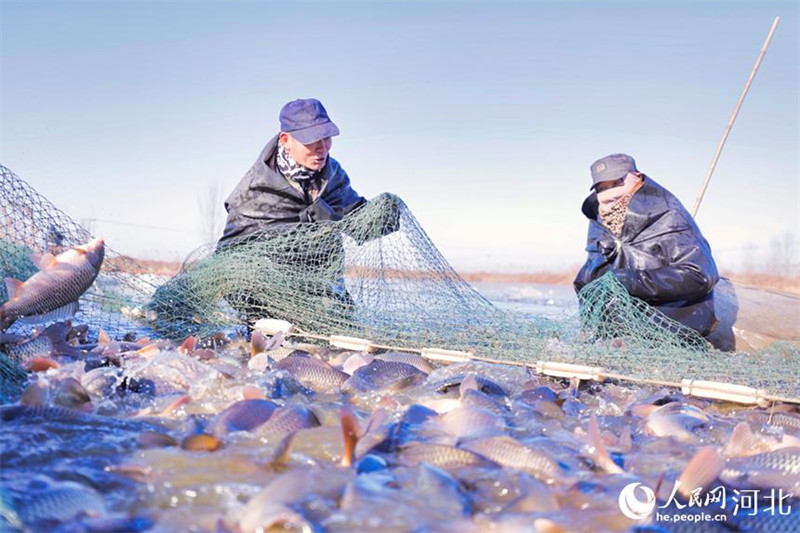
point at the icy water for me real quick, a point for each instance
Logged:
(550, 301)
(228, 437)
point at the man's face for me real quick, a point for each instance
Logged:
(609, 192)
(313, 156)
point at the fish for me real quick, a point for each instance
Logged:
(70, 393)
(510, 453)
(467, 423)
(59, 502)
(409, 358)
(201, 443)
(787, 421)
(313, 373)
(287, 420)
(244, 415)
(484, 385)
(275, 505)
(55, 289)
(52, 341)
(778, 469)
(382, 375)
(677, 420)
(447, 457)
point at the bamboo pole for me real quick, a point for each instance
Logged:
(733, 117)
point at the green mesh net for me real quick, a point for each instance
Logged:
(375, 275)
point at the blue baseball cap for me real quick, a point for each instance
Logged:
(307, 121)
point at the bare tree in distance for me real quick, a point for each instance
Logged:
(749, 256)
(212, 213)
(783, 255)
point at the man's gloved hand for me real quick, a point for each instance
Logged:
(608, 246)
(319, 210)
(391, 221)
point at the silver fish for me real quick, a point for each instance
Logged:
(788, 421)
(384, 375)
(447, 457)
(467, 423)
(484, 385)
(287, 420)
(60, 501)
(513, 454)
(51, 341)
(407, 358)
(313, 373)
(775, 469)
(70, 393)
(244, 415)
(55, 289)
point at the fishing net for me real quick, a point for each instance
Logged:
(374, 275)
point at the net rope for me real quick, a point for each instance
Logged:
(376, 275)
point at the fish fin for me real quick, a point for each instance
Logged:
(188, 345)
(599, 453)
(144, 341)
(705, 467)
(275, 342)
(103, 339)
(251, 392)
(468, 383)
(36, 393)
(44, 261)
(57, 332)
(351, 432)
(282, 452)
(183, 400)
(56, 314)
(41, 364)
(545, 525)
(13, 287)
(149, 349)
(201, 442)
(258, 343)
(643, 410)
(741, 441)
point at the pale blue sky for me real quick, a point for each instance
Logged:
(483, 117)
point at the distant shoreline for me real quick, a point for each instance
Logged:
(783, 284)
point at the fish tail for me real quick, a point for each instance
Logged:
(5, 319)
(57, 333)
(704, 467)
(741, 441)
(599, 452)
(351, 433)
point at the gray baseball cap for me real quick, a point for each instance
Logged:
(611, 168)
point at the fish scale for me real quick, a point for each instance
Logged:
(60, 502)
(443, 456)
(289, 419)
(509, 452)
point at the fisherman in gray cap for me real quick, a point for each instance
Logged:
(642, 234)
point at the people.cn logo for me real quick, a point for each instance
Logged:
(634, 508)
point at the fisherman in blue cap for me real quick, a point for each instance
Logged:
(295, 182)
(294, 178)
(642, 234)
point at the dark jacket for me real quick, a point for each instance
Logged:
(661, 256)
(264, 198)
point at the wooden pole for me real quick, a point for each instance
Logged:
(733, 117)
